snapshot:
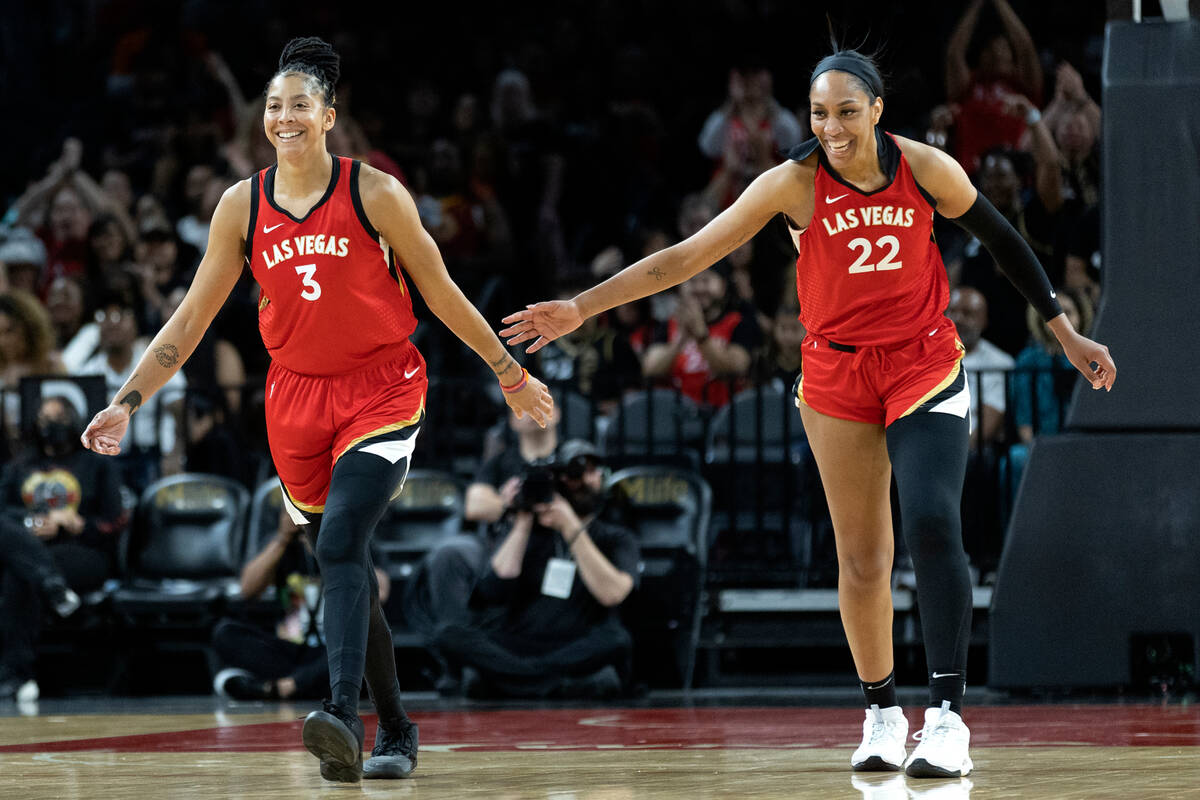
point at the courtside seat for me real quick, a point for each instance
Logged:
(668, 509)
(429, 509)
(180, 559)
(659, 426)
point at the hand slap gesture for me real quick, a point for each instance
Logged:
(543, 321)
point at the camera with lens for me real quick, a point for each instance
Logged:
(537, 485)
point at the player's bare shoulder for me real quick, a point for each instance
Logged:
(792, 184)
(939, 174)
(233, 209)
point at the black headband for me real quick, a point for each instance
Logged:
(855, 66)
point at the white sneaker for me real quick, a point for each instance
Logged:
(28, 692)
(942, 752)
(882, 748)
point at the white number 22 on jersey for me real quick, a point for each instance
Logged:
(312, 289)
(860, 265)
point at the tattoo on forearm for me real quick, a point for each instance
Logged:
(658, 274)
(133, 400)
(167, 355)
(496, 364)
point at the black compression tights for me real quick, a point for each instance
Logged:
(929, 460)
(356, 634)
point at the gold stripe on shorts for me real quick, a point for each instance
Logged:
(949, 379)
(395, 426)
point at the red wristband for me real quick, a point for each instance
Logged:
(519, 385)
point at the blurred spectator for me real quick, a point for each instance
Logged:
(707, 342)
(62, 516)
(151, 433)
(76, 334)
(349, 139)
(748, 134)
(61, 208)
(1000, 182)
(1044, 378)
(779, 363)
(1043, 381)
(160, 265)
(986, 365)
(545, 621)
(23, 258)
(592, 360)
(527, 152)
(1007, 64)
(110, 255)
(216, 377)
(199, 204)
(26, 348)
(290, 661)
(1083, 260)
(499, 479)
(465, 220)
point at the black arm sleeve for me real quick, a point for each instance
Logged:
(1012, 254)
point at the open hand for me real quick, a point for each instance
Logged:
(106, 430)
(542, 321)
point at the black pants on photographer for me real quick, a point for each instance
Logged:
(357, 636)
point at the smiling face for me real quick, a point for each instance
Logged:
(295, 117)
(843, 118)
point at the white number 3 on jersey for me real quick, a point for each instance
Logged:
(312, 289)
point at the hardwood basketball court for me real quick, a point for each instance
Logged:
(254, 751)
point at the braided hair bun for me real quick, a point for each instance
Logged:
(316, 58)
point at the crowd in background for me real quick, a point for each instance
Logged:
(546, 147)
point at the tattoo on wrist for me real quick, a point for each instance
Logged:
(133, 400)
(512, 362)
(167, 355)
(657, 273)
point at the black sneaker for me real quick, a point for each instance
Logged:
(395, 752)
(238, 684)
(60, 597)
(336, 737)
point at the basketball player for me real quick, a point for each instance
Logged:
(326, 238)
(882, 389)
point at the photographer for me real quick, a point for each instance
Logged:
(544, 613)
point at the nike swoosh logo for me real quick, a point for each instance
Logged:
(273, 227)
(944, 674)
(408, 373)
(880, 686)
(935, 330)
(829, 199)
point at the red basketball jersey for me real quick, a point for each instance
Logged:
(333, 300)
(869, 272)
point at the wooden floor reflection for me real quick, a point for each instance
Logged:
(506, 755)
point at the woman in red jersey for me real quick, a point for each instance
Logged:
(326, 237)
(882, 390)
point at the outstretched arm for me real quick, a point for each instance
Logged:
(957, 199)
(958, 74)
(392, 210)
(1029, 68)
(777, 190)
(215, 277)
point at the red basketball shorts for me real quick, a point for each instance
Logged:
(881, 384)
(313, 420)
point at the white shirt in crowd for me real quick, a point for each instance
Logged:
(142, 424)
(985, 366)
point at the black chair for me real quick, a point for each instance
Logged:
(659, 426)
(577, 417)
(181, 557)
(669, 510)
(756, 459)
(429, 509)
